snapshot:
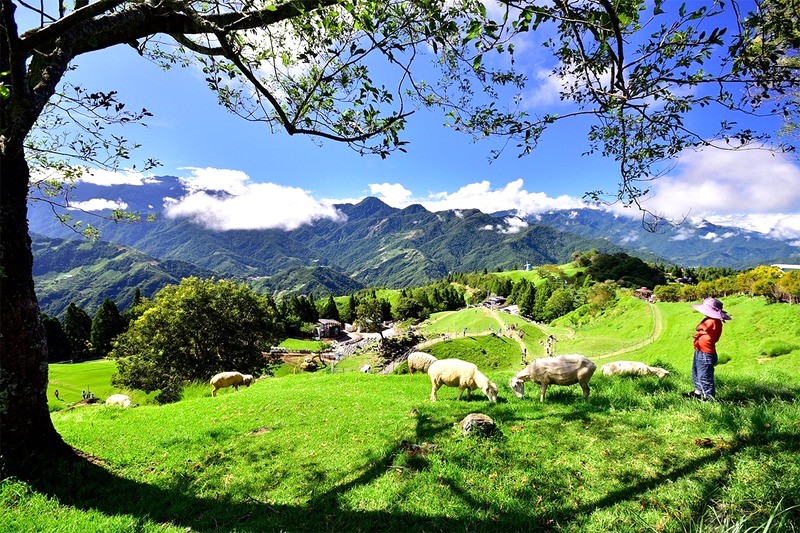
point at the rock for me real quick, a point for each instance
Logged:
(309, 366)
(479, 424)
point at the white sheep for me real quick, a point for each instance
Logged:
(366, 369)
(461, 374)
(230, 379)
(120, 400)
(420, 362)
(623, 368)
(559, 370)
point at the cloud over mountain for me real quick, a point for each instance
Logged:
(224, 200)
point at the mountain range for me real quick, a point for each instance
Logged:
(371, 244)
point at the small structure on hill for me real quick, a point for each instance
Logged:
(328, 328)
(786, 268)
(495, 301)
(643, 293)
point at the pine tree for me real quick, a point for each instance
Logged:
(106, 325)
(58, 347)
(78, 328)
(329, 309)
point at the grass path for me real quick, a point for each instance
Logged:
(658, 328)
(493, 313)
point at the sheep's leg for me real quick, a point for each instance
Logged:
(585, 387)
(434, 388)
(214, 392)
(544, 390)
(460, 392)
(236, 388)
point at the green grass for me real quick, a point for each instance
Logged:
(487, 351)
(627, 324)
(94, 376)
(475, 319)
(349, 451)
(304, 345)
(327, 452)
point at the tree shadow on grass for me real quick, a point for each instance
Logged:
(88, 484)
(749, 391)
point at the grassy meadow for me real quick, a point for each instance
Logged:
(356, 452)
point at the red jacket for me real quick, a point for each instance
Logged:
(708, 333)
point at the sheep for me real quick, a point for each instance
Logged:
(559, 370)
(623, 368)
(420, 362)
(230, 379)
(461, 374)
(120, 400)
(366, 369)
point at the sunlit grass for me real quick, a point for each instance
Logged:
(336, 452)
(349, 451)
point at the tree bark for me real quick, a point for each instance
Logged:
(25, 424)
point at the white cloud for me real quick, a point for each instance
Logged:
(543, 89)
(109, 178)
(478, 195)
(785, 227)
(234, 182)
(710, 236)
(718, 182)
(682, 234)
(515, 225)
(630, 237)
(512, 197)
(392, 194)
(99, 204)
(246, 205)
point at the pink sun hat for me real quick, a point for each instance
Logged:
(712, 308)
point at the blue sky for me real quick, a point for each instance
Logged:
(273, 177)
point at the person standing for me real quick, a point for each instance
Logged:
(708, 332)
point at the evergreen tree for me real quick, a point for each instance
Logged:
(408, 308)
(351, 315)
(543, 293)
(78, 328)
(106, 325)
(329, 309)
(527, 299)
(58, 347)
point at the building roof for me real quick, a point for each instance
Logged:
(787, 267)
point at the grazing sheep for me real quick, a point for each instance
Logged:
(120, 400)
(461, 374)
(420, 362)
(624, 368)
(366, 369)
(230, 379)
(560, 370)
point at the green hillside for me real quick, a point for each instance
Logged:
(71, 380)
(356, 452)
(86, 273)
(349, 452)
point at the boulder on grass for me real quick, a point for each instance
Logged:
(478, 424)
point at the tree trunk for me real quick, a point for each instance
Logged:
(25, 425)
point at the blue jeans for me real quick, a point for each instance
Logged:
(703, 373)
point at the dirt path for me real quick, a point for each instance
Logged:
(658, 327)
(493, 313)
